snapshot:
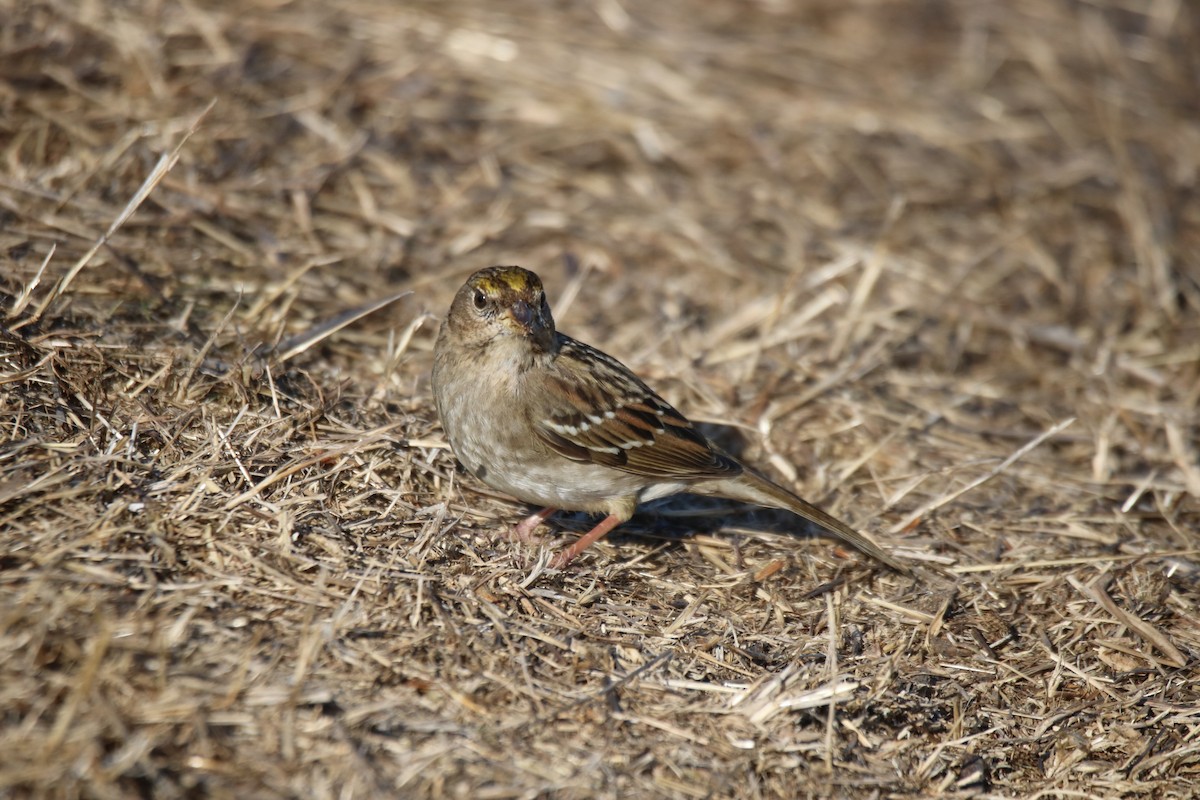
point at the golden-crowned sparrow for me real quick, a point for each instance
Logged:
(549, 420)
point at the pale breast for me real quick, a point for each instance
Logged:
(477, 409)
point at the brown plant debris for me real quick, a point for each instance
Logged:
(934, 264)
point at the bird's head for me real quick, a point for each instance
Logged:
(503, 302)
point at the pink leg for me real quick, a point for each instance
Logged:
(587, 540)
(523, 531)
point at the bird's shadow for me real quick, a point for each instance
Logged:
(677, 519)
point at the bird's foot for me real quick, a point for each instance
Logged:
(523, 530)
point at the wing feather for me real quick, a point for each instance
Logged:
(598, 411)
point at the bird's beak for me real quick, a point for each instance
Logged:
(532, 323)
(524, 315)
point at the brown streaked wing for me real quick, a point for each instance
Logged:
(604, 414)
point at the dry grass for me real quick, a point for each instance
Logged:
(937, 263)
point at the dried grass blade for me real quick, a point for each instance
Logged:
(1003, 465)
(27, 291)
(297, 344)
(165, 163)
(1144, 629)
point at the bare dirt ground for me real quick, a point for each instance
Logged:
(934, 264)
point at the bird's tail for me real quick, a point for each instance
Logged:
(750, 487)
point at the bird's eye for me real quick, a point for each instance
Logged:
(480, 299)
